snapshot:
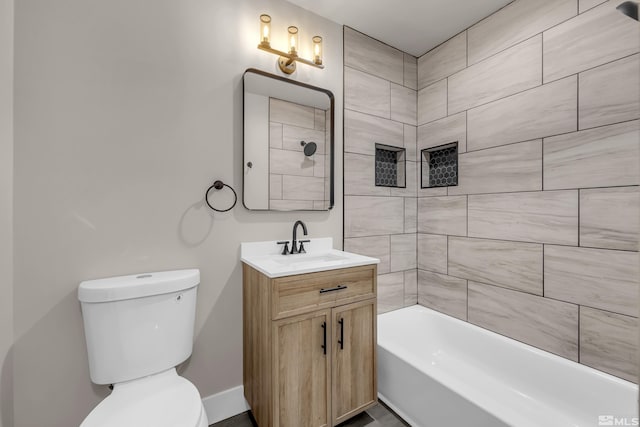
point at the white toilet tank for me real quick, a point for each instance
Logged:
(138, 325)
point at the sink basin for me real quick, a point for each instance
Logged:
(266, 257)
(310, 258)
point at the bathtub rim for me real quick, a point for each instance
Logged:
(470, 393)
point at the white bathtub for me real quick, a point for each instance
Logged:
(436, 371)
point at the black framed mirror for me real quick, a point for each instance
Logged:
(288, 144)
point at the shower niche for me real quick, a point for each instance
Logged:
(439, 166)
(390, 166)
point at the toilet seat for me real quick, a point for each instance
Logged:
(162, 400)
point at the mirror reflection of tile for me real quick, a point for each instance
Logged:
(297, 181)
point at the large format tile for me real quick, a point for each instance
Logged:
(291, 205)
(367, 54)
(359, 221)
(546, 110)
(376, 246)
(443, 215)
(513, 265)
(302, 187)
(541, 322)
(444, 131)
(432, 102)
(366, 93)
(610, 93)
(443, 60)
(593, 38)
(510, 168)
(609, 218)
(403, 252)
(275, 187)
(600, 157)
(286, 162)
(431, 191)
(363, 131)
(443, 293)
(584, 5)
(292, 136)
(275, 135)
(390, 292)
(410, 138)
(609, 342)
(539, 217)
(320, 166)
(411, 178)
(432, 253)
(513, 70)
(291, 113)
(410, 287)
(403, 104)
(410, 215)
(514, 23)
(410, 71)
(599, 278)
(321, 119)
(359, 176)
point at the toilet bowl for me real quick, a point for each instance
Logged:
(138, 328)
(164, 399)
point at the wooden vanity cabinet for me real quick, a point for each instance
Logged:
(309, 346)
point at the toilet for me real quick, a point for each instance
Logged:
(138, 329)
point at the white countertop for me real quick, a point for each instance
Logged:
(266, 257)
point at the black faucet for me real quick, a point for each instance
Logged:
(294, 248)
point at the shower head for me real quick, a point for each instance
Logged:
(629, 8)
(309, 148)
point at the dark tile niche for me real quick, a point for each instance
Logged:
(390, 166)
(439, 166)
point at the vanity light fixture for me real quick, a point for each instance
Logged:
(287, 60)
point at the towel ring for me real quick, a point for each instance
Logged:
(219, 185)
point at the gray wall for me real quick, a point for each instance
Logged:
(125, 113)
(538, 241)
(6, 210)
(380, 107)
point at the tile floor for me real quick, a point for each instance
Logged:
(378, 416)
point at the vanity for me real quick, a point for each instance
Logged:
(309, 334)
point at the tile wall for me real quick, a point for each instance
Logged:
(539, 240)
(380, 107)
(297, 182)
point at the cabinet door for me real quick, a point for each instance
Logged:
(354, 359)
(301, 355)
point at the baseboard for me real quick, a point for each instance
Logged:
(225, 404)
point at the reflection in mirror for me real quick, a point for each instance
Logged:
(288, 144)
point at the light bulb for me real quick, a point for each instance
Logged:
(265, 29)
(293, 40)
(317, 50)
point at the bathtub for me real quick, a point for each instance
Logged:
(436, 371)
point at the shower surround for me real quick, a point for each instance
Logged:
(539, 240)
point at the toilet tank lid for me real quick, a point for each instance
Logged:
(137, 285)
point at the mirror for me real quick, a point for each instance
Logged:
(288, 144)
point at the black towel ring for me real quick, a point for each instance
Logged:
(218, 185)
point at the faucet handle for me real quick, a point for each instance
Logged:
(285, 251)
(301, 247)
